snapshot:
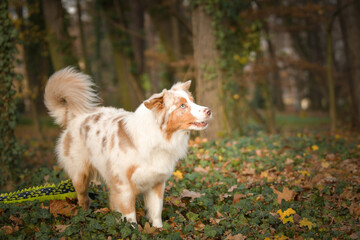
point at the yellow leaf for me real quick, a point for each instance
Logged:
(178, 175)
(358, 146)
(289, 211)
(284, 216)
(236, 96)
(282, 237)
(304, 173)
(306, 223)
(264, 174)
(314, 147)
(243, 60)
(236, 57)
(288, 219)
(267, 238)
(325, 164)
(337, 136)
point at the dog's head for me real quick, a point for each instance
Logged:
(175, 110)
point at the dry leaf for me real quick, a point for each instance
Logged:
(148, 229)
(289, 161)
(330, 157)
(62, 207)
(16, 220)
(238, 236)
(176, 201)
(286, 194)
(61, 228)
(232, 188)
(8, 230)
(237, 197)
(102, 210)
(201, 169)
(248, 171)
(219, 215)
(199, 226)
(191, 194)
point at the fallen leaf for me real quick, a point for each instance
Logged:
(286, 194)
(178, 175)
(232, 188)
(62, 207)
(306, 223)
(201, 169)
(8, 230)
(237, 197)
(176, 201)
(284, 216)
(289, 161)
(314, 147)
(304, 173)
(354, 209)
(325, 164)
(238, 236)
(102, 210)
(191, 194)
(199, 226)
(248, 171)
(354, 236)
(219, 215)
(148, 229)
(260, 198)
(61, 228)
(288, 219)
(330, 157)
(16, 220)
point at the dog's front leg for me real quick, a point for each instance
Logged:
(122, 199)
(154, 203)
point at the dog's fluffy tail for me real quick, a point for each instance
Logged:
(69, 93)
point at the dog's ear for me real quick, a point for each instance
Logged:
(156, 101)
(182, 86)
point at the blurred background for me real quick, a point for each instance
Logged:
(278, 66)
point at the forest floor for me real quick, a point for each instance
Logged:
(302, 184)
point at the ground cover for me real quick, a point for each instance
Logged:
(303, 186)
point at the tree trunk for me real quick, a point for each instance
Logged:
(60, 43)
(330, 82)
(209, 85)
(349, 20)
(130, 89)
(33, 59)
(82, 38)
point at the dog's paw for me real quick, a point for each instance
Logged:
(157, 223)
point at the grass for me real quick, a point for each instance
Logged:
(301, 186)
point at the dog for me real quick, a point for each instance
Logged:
(134, 152)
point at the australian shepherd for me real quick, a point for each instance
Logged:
(134, 152)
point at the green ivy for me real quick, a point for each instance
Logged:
(10, 150)
(236, 39)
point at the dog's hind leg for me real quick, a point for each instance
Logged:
(81, 183)
(74, 159)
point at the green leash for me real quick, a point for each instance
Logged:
(63, 190)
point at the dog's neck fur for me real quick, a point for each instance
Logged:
(153, 141)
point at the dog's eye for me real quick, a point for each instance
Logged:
(183, 106)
